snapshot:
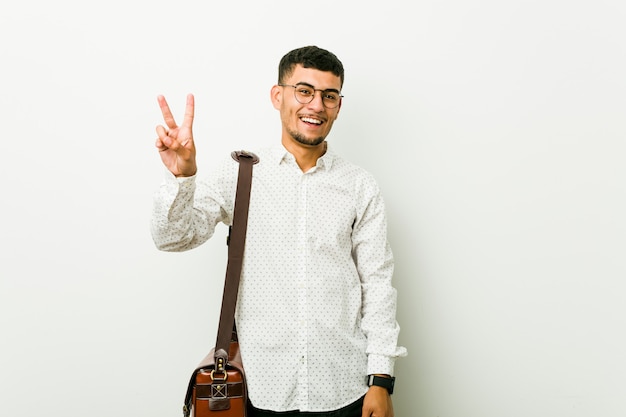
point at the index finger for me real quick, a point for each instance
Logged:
(167, 113)
(189, 111)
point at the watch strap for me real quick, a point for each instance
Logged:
(381, 381)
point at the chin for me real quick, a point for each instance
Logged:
(311, 142)
(303, 140)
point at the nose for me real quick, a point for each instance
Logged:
(317, 103)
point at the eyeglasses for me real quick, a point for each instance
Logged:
(305, 93)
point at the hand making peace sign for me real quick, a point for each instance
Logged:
(175, 143)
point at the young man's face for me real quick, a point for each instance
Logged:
(306, 124)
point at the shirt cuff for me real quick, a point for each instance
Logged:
(177, 184)
(379, 364)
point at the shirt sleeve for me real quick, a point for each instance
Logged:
(375, 264)
(186, 210)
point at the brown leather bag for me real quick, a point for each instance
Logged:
(213, 393)
(217, 387)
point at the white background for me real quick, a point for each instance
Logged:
(495, 128)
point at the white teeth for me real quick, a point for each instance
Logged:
(309, 120)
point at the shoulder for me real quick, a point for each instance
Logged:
(347, 169)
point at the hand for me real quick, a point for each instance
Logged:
(175, 143)
(377, 403)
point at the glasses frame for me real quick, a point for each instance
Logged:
(295, 93)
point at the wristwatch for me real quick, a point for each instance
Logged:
(381, 381)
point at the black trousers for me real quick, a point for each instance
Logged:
(352, 410)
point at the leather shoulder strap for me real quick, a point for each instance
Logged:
(236, 246)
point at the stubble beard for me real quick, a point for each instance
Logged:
(300, 138)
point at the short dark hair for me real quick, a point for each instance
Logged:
(309, 57)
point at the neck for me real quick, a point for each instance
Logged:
(306, 156)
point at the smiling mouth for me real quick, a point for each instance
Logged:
(311, 120)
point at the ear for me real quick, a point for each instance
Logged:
(276, 95)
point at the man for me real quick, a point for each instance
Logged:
(316, 308)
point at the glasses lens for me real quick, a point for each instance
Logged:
(304, 94)
(330, 99)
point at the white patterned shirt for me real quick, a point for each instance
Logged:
(316, 310)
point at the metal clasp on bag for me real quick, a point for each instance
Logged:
(224, 376)
(219, 369)
(219, 389)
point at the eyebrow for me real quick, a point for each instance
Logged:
(313, 87)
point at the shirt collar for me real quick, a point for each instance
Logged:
(279, 154)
